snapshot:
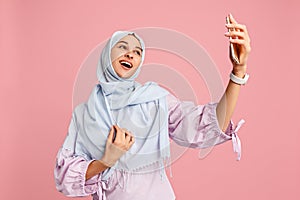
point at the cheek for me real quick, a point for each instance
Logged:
(138, 61)
(114, 64)
(115, 54)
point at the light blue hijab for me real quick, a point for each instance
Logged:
(141, 109)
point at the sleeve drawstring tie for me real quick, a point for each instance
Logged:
(236, 142)
(102, 186)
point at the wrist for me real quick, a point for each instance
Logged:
(94, 168)
(104, 164)
(239, 80)
(239, 71)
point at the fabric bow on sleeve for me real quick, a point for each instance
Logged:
(236, 142)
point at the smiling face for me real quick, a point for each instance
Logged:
(126, 56)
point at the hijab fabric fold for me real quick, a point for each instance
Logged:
(141, 109)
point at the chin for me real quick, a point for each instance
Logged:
(124, 75)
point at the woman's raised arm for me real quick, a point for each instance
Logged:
(239, 37)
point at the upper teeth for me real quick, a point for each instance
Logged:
(127, 63)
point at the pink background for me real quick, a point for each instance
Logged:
(43, 44)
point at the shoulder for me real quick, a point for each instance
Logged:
(79, 109)
(157, 87)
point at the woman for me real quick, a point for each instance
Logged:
(117, 145)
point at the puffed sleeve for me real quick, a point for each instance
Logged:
(196, 126)
(69, 173)
(70, 169)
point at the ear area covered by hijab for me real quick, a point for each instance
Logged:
(142, 109)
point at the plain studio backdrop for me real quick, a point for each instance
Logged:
(44, 43)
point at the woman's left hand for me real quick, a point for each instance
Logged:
(240, 39)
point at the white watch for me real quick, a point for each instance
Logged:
(238, 80)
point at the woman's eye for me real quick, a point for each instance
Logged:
(138, 53)
(122, 47)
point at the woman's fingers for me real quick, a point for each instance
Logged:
(131, 142)
(232, 20)
(238, 41)
(239, 37)
(129, 138)
(245, 43)
(240, 27)
(235, 34)
(235, 25)
(239, 34)
(124, 138)
(110, 136)
(120, 135)
(117, 128)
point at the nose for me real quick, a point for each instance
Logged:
(129, 55)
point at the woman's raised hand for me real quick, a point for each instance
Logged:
(118, 142)
(239, 37)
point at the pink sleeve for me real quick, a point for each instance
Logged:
(70, 172)
(196, 126)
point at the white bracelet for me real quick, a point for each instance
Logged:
(238, 80)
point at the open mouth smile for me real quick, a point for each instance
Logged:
(126, 64)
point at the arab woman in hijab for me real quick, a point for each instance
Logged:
(117, 146)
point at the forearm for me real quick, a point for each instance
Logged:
(95, 167)
(227, 103)
(239, 38)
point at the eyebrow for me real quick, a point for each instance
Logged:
(127, 44)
